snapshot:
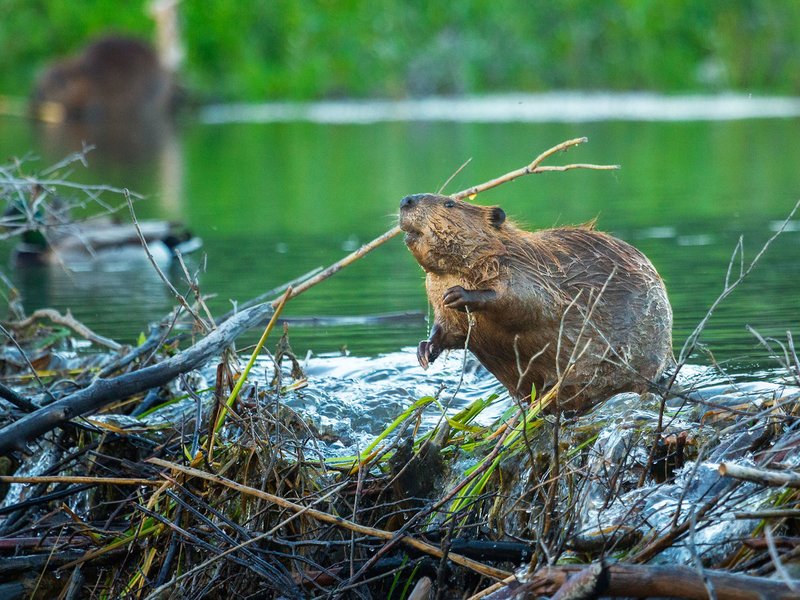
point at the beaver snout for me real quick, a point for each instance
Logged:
(410, 201)
(408, 216)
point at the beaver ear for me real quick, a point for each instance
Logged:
(497, 217)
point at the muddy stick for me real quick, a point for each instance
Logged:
(533, 168)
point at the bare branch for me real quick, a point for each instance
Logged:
(765, 476)
(530, 169)
(178, 296)
(68, 321)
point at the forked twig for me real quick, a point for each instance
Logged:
(530, 169)
(178, 296)
(535, 168)
(68, 321)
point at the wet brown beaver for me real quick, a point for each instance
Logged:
(115, 78)
(570, 304)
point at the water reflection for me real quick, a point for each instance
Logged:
(275, 200)
(119, 296)
(126, 146)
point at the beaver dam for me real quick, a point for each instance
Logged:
(199, 463)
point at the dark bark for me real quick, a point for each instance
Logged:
(106, 391)
(20, 402)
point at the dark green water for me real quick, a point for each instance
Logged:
(272, 201)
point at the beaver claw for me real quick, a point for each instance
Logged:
(426, 353)
(458, 298)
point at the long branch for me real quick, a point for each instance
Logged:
(530, 169)
(645, 581)
(79, 479)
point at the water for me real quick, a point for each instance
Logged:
(275, 199)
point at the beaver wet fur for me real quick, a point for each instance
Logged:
(570, 304)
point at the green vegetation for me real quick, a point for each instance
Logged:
(301, 49)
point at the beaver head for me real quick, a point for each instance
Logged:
(451, 236)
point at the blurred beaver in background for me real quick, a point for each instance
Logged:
(570, 305)
(113, 79)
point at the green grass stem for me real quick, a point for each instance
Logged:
(243, 377)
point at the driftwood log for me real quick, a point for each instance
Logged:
(105, 391)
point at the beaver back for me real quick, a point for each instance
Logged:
(113, 78)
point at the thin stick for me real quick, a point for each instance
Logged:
(531, 169)
(24, 356)
(79, 479)
(338, 266)
(776, 560)
(334, 520)
(453, 176)
(178, 296)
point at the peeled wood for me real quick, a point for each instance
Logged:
(766, 476)
(645, 581)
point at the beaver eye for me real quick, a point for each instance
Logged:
(449, 203)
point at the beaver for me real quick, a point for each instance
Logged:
(114, 78)
(570, 305)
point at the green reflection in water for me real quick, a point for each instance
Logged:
(272, 201)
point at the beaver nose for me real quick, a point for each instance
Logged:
(409, 201)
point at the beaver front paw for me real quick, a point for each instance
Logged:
(458, 298)
(427, 352)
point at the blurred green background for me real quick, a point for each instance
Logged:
(304, 49)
